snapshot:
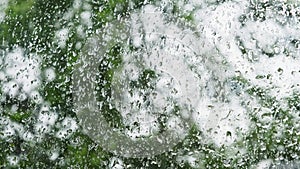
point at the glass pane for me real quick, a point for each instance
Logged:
(149, 84)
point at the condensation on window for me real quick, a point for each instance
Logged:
(149, 84)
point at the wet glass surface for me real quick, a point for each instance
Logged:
(149, 84)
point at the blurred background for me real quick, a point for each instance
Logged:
(247, 67)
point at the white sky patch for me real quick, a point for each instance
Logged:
(221, 121)
(67, 127)
(36, 97)
(10, 128)
(41, 128)
(221, 26)
(11, 88)
(219, 23)
(190, 159)
(45, 121)
(284, 75)
(50, 74)
(279, 73)
(48, 118)
(27, 136)
(264, 164)
(62, 36)
(13, 159)
(54, 155)
(170, 77)
(86, 18)
(23, 72)
(2, 75)
(176, 125)
(3, 6)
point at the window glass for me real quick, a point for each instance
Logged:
(149, 84)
